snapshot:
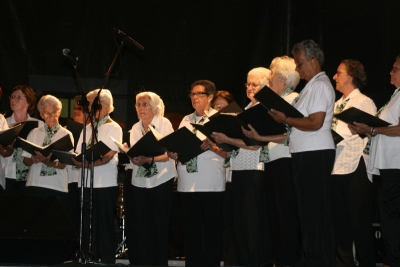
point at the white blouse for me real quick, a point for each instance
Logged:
(166, 170)
(104, 175)
(211, 173)
(317, 96)
(57, 182)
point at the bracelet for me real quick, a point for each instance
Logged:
(286, 117)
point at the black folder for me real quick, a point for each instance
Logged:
(183, 142)
(63, 144)
(353, 114)
(257, 116)
(232, 108)
(207, 132)
(8, 136)
(147, 146)
(75, 128)
(337, 138)
(271, 100)
(98, 148)
(123, 157)
(28, 126)
(64, 157)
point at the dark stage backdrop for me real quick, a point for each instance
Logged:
(185, 40)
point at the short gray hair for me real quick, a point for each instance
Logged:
(105, 97)
(156, 103)
(310, 49)
(263, 73)
(286, 67)
(49, 101)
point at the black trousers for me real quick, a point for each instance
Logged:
(283, 211)
(389, 211)
(312, 176)
(230, 250)
(73, 205)
(147, 231)
(103, 232)
(41, 191)
(14, 187)
(352, 217)
(202, 227)
(250, 219)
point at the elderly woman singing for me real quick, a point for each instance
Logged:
(47, 177)
(149, 212)
(105, 187)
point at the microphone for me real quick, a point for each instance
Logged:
(67, 53)
(119, 32)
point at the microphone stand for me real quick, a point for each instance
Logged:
(96, 105)
(84, 103)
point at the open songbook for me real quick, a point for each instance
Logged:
(147, 146)
(353, 114)
(8, 136)
(20, 129)
(66, 156)
(63, 144)
(271, 100)
(184, 142)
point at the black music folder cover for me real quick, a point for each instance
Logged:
(257, 116)
(353, 114)
(271, 100)
(337, 138)
(207, 131)
(183, 142)
(8, 136)
(122, 156)
(147, 146)
(231, 108)
(28, 126)
(98, 148)
(75, 128)
(63, 144)
(64, 157)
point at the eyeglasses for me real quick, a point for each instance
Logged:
(145, 105)
(251, 85)
(198, 94)
(395, 68)
(48, 115)
(16, 97)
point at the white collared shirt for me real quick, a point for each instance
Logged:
(350, 149)
(317, 96)
(385, 150)
(104, 175)
(211, 173)
(57, 182)
(166, 170)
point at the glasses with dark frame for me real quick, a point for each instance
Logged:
(198, 94)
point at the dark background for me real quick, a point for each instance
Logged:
(185, 40)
